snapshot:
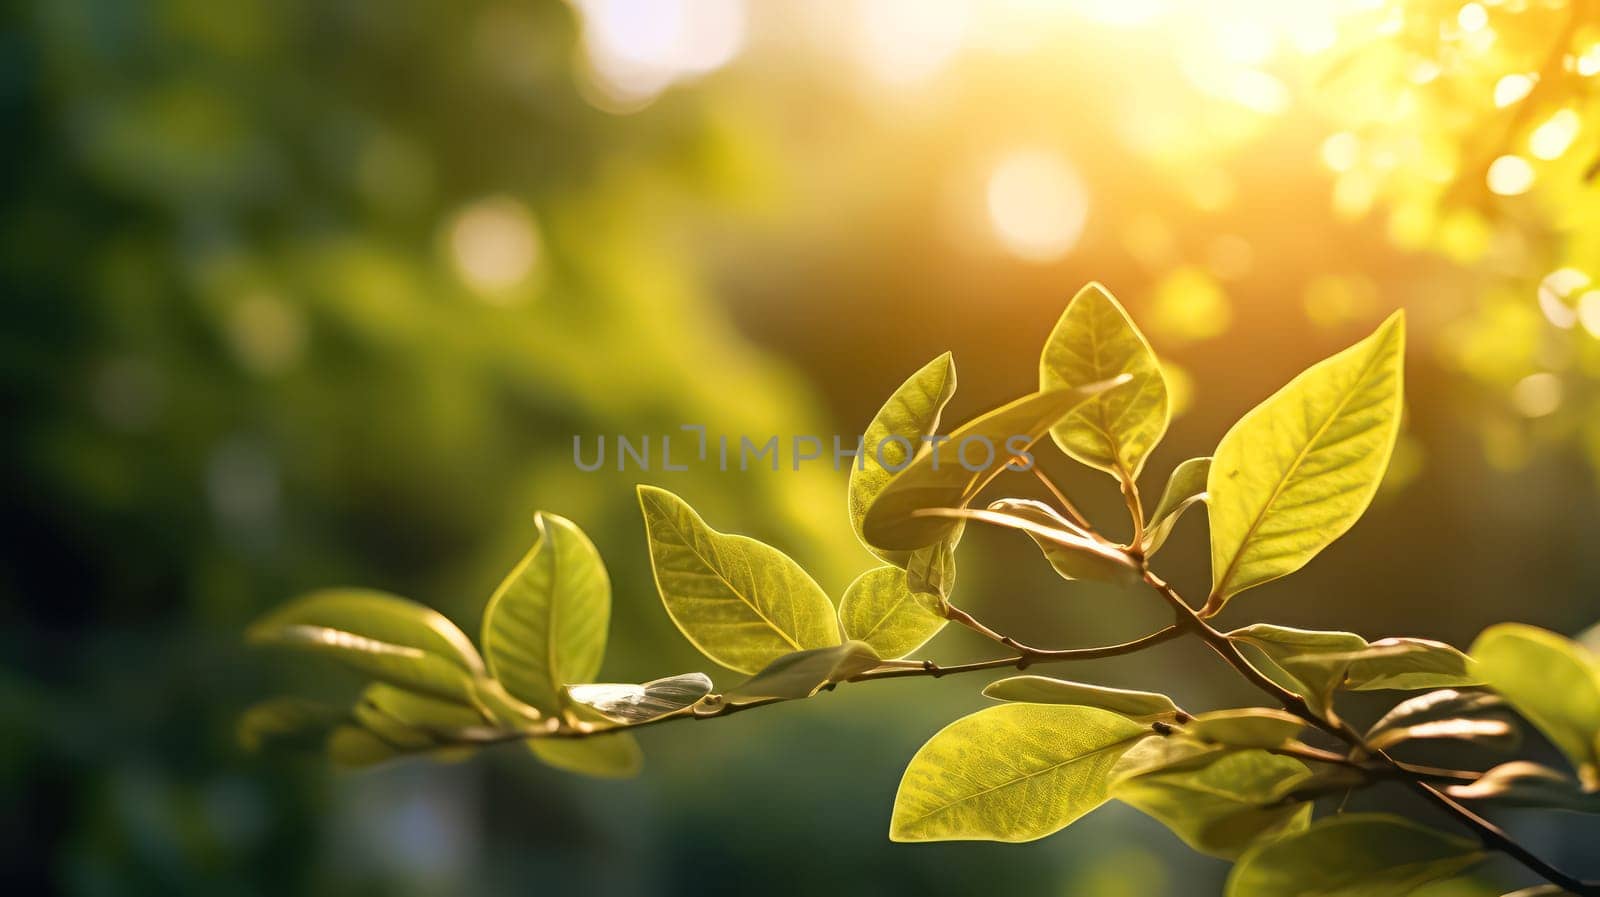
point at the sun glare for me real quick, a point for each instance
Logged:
(1037, 204)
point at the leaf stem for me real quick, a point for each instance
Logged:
(1061, 498)
(1490, 835)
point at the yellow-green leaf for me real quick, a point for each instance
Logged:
(1447, 703)
(1095, 340)
(1352, 855)
(952, 474)
(1298, 470)
(1016, 772)
(743, 603)
(1226, 805)
(804, 673)
(879, 608)
(353, 747)
(545, 627)
(1491, 733)
(411, 722)
(614, 755)
(288, 723)
(1141, 706)
(1083, 556)
(1185, 487)
(1524, 784)
(1247, 727)
(401, 665)
(897, 432)
(1553, 682)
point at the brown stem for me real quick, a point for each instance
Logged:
(1490, 835)
(1061, 499)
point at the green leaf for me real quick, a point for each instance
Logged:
(627, 703)
(1409, 663)
(1247, 727)
(938, 478)
(1552, 682)
(382, 635)
(1492, 733)
(411, 722)
(1016, 772)
(911, 413)
(1074, 556)
(400, 665)
(1185, 487)
(1226, 805)
(1291, 657)
(1095, 340)
(1446, 703)
(614, 755)
(1082, 556)
(1164, 754)
(880, 609)
(1142, 706)
(1352, 855)
(546, 624)
(932, 570)
(288, 723)
(741, 602)
(804, 673)
(353, 747)
(1298, 470)
(1524, 784)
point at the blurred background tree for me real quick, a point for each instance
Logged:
(300, 294)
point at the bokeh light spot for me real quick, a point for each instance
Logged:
(1537, 395)
(494, 244)
(1037, 204)
(1510, 176)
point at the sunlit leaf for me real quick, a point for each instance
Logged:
(1185, 487)
(944, 477)
(628, 703)
(1492, 733)
(911, 413)
(1016, 772)
(1352, 855)
(356, 748)
(881, 610)
(1093, 341)
(1247, 727)
(741, 602)
(1143, 706)
(804, 673)
(1409, 663)
(546, 624)
(932, 570)
(1446, 703)
(288, 723)
(1074, 555)
(615, 755)
(1553, 682)
(382, 635)
(401, 665)
(1227, 805)
(1524, 784)
(411, 722)
(1083, 556)
(1298, 470)
(1290, 657)
(1165, 754)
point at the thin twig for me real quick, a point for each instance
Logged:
(1061, 498)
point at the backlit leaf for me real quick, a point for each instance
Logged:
(546, 624)
(288, 723)
(1016, 772)
(1553, 682)
(952, 474)
(614, 755)
(1446, 703)
(627, 703)
(1185, 487)
(743, 603)
(1492, 733)
(804, 673)
(1083, 556)
(401, 665)
(1095, 340)
(897, 432)
(1247, 727)
(1143, 706)
(1226, 805)
(1524, 784)
(880, 609)
(1352, 855)
(353, 747)
(411, 722)
(1298, 470)
(1290, 657)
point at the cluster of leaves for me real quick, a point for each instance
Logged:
(1284, 482)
